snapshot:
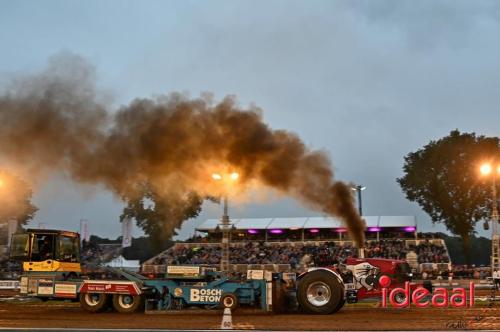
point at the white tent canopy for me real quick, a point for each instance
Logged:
(120, 261)
(372, 221)
(290, 223)
(322, 222)
(253, 223)
(397, 221)
(309, 222)
(211, 224)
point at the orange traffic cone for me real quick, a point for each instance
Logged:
(227, 320)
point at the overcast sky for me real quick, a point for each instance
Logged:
(366, 81)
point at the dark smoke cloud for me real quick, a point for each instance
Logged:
(54, 121)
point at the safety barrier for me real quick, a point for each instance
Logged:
(241, 268)
(9, 284)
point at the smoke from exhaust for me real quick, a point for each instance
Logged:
(55, 121)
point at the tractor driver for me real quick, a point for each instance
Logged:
(46, 249)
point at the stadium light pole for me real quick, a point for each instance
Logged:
(487, 170)
(226, 223)
(359, 189)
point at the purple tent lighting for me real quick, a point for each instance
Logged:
(374, 229)
(253, 231)
(340, 230)
(410, 229)
(276, 231)
(314, 230)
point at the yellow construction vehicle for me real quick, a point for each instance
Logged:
(44, 250)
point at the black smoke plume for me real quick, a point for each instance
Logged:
(55, 121)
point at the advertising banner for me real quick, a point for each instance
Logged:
(126, 232)
(9, 284)
(84, 230)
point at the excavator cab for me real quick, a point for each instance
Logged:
(43, 250)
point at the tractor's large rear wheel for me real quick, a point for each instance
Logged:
(341, 304)
(94, 302)
(125, 304)
(320, 292)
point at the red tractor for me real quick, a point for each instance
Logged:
(324, 290)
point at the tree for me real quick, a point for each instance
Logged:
(160, 215)
(479, 250)
(15, 199)
(443, 178)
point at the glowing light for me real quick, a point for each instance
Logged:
(314, 230)
(374, 229)
(276, 231)
(253, 231)
(231, 176)
(340, 230)
(485, 169)
(409, 229)
(498, 169)
(1, 183)
(358, 188)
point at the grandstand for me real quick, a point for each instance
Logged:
(97, 254)
(302, 242)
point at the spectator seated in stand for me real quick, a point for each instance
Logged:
(430, 253)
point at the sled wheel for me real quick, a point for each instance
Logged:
(229, 300)
(94, 302)
(124, 303)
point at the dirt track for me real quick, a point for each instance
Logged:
(69, 315)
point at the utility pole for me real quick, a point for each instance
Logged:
(486, 170)
(359, 189)
(495, 239)
(225, 222)
(226, 228)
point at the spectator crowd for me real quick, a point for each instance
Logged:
(295, 254)
(391, 249)
(93, 254)
(428, 252)
(258, 253)
(10, 269)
